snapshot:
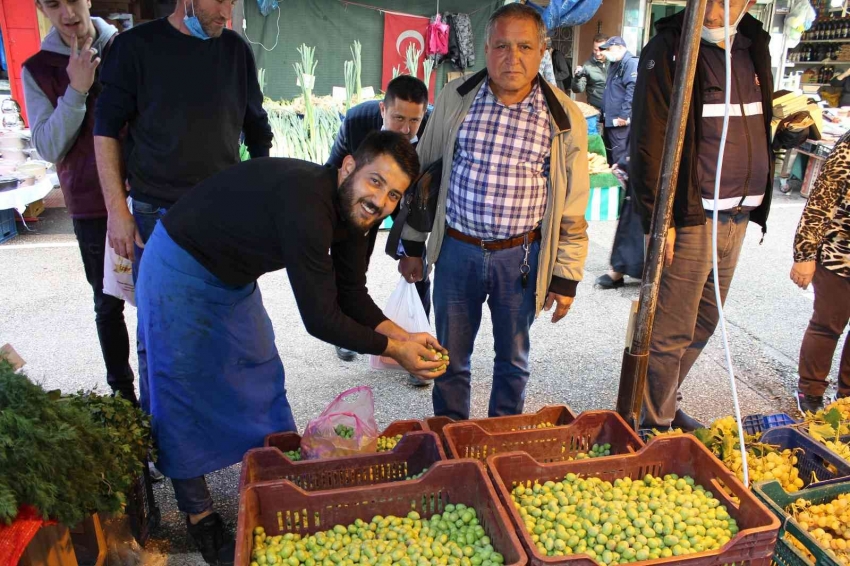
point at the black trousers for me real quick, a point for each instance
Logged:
(109, 311)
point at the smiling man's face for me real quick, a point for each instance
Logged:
(369, 193)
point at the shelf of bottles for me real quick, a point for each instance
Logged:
(827, 42)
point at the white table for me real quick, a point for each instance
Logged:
(22, 196)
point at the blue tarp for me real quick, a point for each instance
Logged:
(266, 6)
(561, 13)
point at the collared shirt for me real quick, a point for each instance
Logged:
(500, 171)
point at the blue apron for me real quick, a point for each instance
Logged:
(215, 383)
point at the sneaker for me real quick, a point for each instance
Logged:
(345, 355)
(214, 541)
(685, 422)
(606, 282)
(809, 403)
(156, 475)
(417, 381)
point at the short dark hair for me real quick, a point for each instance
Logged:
(519, 12)
(600, 38)
(406, 88)
(385, 142)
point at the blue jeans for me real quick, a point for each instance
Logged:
(687, 314)
(147, 217)
(465, 277)
(192, 495)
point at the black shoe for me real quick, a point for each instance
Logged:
(606, 282)
(345, 355)
(809, 403)
(417, 381)
(214, 541)
(685, 422)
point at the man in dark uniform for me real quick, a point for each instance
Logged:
(403, 110)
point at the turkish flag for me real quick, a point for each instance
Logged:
(400, 31)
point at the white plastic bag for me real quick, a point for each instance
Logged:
(405, 309)
(118, 276)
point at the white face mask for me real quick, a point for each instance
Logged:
(716, 35)
(610, 57)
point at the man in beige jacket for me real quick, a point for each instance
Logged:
(509, 227)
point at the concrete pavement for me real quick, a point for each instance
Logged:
(46, 314)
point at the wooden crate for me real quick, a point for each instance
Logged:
(51, 546)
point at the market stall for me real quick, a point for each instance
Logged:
(24, 181)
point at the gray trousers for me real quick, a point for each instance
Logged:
(687, 315)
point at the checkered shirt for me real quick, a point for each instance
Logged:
(500, 170)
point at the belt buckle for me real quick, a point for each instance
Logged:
(484, 244)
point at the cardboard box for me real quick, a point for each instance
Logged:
(34, 209)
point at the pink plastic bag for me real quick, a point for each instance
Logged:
(354, 408)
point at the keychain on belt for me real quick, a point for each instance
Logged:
(524, 268)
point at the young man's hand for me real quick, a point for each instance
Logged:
(411, 268)
(82, 65)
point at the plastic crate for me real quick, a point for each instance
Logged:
(414, 453)
(288, 441)
(813, 458)
(8, 230)
(558, 415)
(755, 424)
(683, 455)
(470, 440)
(142, 509)
(803, 428)
(281, 507)
(777, 500)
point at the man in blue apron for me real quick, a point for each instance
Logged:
(215, 384)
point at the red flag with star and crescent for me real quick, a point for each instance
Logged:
(400, 31)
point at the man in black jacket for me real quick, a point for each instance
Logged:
(403, 110)
(687, 312)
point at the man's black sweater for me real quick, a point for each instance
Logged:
(186, 102)
(270, 213)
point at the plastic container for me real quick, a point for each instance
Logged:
(813, 458)
(777, 500)
(142, 509)
(558, 415)
(413, 454)
(288, 441)
(8, 230)
(754, 424)
(281, 507)
(683, 455)
(470, 440)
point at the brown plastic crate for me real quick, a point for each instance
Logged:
(683, 455)
(280, 507)
(287, 441)
(558, 415)
(414, 453)
(470, 440)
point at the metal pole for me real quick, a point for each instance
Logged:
(635, 359)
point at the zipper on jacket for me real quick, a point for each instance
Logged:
(749, 143)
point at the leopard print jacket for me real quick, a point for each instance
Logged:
(824, 230)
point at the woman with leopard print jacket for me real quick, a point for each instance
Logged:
(822, 257)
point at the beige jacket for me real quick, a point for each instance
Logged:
(563, 247)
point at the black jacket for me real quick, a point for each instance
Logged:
(649, 123)
(360, 121)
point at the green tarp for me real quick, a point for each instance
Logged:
(331, 26)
